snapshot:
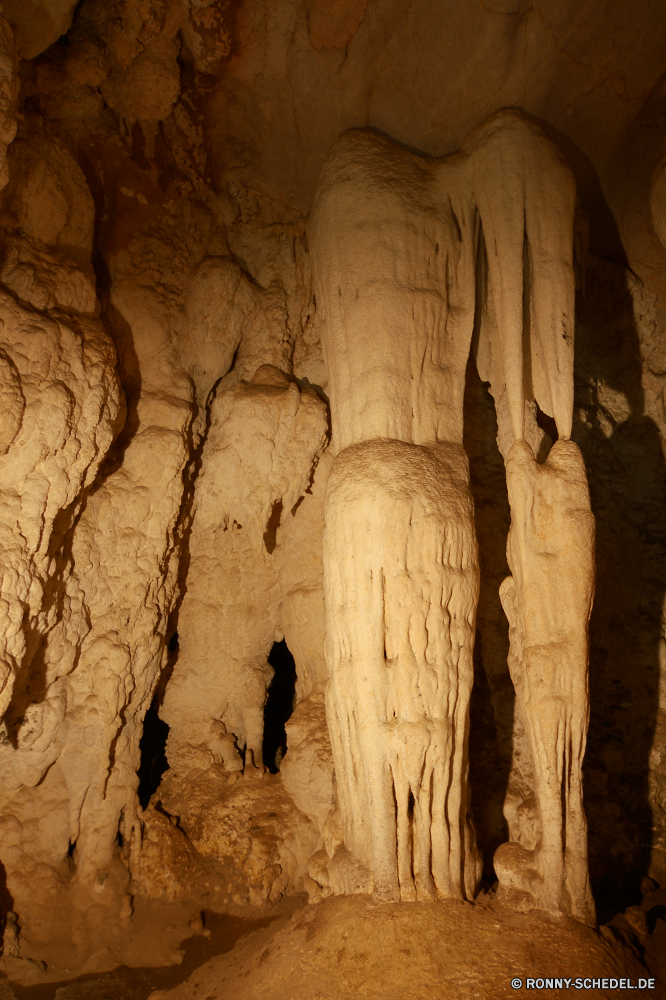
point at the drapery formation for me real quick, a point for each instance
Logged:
(411, 256)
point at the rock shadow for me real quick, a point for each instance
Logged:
(623, 452)
(279, 705)
(493, 696)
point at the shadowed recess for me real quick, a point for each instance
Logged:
(270, 534)
(153, 756)
(279, 705)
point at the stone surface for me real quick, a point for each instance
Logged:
(547, 601)
(262, 446)
(155, 242)
(400, 610)
(38, 23)
(347, 947)
(410, 256)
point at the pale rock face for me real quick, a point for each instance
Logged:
(178, 146)
(269, 435)
(47, 279)
(63, 407)
(129, 521)
(245, 835)
(190, 310)
(63, 403)
(307, 769)
(132, 520)
(46, 261)
(38, 23)
(13, 403)
(106, 643)
(167, 866)
(260, 456)
(407, 253)
(400, 612)
(48, 195)
(264, 441)
(548, 601)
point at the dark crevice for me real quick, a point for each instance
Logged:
(6, 898)
(546, 424)
(173, 648)
(183, 532)
(6, 903)
(139, 147)
(153, 755)
(410, 818)
(153, 762)
(270, 534)
(279, 705)
(493, 696)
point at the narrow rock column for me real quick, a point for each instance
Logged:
(408, 254)
(526, 198)
(394, 271)
(548, 600)
(401, 588)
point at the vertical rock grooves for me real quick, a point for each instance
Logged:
(400, 633)
(193, 237)
(402, 246)
(265, 439)
(548, 600)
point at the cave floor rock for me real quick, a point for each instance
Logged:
(350, 947)
(124, 983)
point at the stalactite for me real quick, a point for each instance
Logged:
(409, 255)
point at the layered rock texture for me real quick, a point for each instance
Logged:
(407, 254)
(290, 602)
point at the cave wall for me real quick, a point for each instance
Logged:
(154, 259)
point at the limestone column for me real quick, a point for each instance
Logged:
(394, 275)
(548, 601)
(410, 256)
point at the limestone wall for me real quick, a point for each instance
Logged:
(161, 503)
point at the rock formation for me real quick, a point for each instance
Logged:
(548, 600)
(232, 308)
(396, 241)
(264, 441)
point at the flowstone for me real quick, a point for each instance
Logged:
(410, 257)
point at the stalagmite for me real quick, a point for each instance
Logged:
(400, 632)
(394, 283)
(548, 600)
(529, 313)
(409, 254)
(301, 591)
